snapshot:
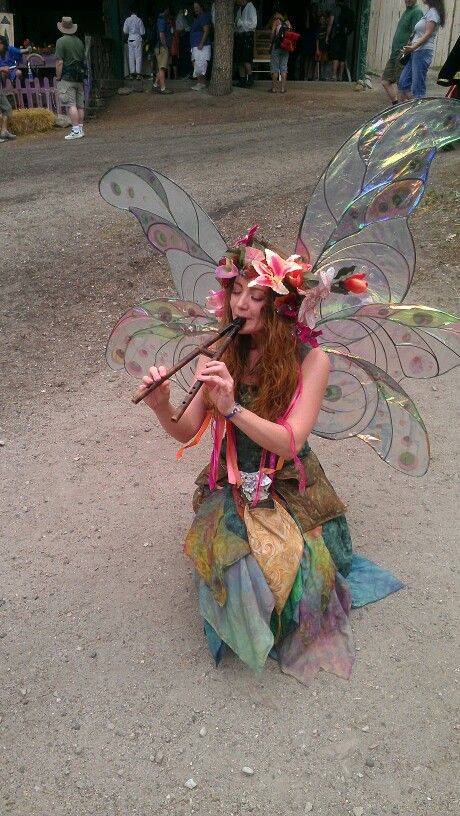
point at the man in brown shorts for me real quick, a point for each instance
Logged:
(391, 73)
(163, 39)
(70, 73)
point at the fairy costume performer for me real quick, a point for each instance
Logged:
(269, 541)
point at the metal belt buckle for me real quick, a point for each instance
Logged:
(249, 486)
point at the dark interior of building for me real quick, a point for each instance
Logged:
(105, 17)
(38, 20)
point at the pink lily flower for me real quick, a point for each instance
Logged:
(247, 238)
(226, 270)
(215, 302)
(308, 307)
(306, 267)
(271, 272)
(252, 254)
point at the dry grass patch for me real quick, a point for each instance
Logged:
(32, 120)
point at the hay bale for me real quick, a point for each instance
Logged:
(31, 120)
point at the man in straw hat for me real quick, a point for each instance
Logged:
(70, 73)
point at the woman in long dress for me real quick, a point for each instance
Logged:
(270, 556)
(269, 541)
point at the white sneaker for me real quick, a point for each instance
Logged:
(74, 134)
(198, 87)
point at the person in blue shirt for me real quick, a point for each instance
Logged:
(199, 42)
(9, 58)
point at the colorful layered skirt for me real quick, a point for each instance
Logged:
(279, 579)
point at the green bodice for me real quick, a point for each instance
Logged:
(248, 452)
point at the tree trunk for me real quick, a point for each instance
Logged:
(222, 66)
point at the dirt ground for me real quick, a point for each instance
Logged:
(106, 682)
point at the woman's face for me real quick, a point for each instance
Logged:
(248, 302)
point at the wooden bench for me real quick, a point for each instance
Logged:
(261, 57)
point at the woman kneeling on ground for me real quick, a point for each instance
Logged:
(267, 390)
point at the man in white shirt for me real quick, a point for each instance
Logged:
(134, 29)
(182, 23)
(245, 25)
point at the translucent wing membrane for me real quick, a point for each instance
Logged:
(423, 124)
(362, 400)
(404, 341)
(357, 218)
(369, 190)
(159, 332)
(175, 225)
(381, 203)
(388, 269)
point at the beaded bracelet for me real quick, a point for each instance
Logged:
(235, 409)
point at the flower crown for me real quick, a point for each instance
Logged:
(299, 290)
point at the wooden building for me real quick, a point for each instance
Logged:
(384, 16)
(369, 45)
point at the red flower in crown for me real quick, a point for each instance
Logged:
(296, 278)
(307, 335)
(287, 306)
(356, 284)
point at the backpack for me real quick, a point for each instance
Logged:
(289, 41)
(278, 38)
(75, 72)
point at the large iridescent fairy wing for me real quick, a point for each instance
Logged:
(362, 400)
(159, 332)
(357, 215)
(175, 225)
(402, 340)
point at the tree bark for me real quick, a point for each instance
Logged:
(222, 66)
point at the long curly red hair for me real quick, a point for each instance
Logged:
(277, 372)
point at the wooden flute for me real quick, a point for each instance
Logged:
(229, 332)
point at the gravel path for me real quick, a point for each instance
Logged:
(109, 700)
